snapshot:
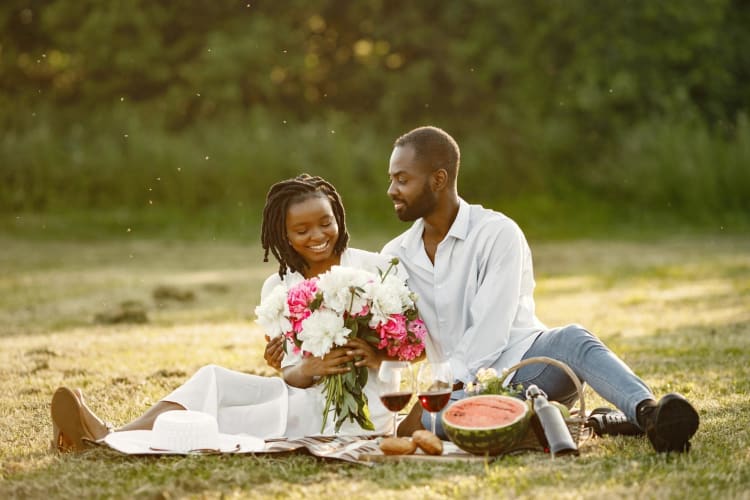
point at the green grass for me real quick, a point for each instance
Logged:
(675, 309)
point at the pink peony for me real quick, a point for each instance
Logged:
(392, 332)
(410, 351)
(364, 311)
(300, 296)
(298, 319)
(417, 328)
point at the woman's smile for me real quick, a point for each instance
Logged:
(319, 247)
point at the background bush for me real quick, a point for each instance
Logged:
(625, 108)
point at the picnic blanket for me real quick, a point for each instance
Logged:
(360, 449)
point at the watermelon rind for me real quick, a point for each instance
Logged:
(487, 440)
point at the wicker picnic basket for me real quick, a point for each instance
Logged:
(577, 417)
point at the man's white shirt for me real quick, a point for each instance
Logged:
(477, 298)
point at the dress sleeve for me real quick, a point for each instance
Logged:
(269, 285)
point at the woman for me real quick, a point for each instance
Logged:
(304, 228)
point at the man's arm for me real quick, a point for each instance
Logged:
(494, 308)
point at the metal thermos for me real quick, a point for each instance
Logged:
(558, 436)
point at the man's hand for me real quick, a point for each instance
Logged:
(274, 352)
(364, 353)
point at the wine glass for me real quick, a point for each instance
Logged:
(434, 387)
(395, 386)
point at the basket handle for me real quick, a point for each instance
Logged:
(558, 364)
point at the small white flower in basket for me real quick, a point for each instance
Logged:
(489, 382)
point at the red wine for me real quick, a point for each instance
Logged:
(434, 401)
(395, 401)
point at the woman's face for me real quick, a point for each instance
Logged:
(312, 230)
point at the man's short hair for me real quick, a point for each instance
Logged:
(434, 148)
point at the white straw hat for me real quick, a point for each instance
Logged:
(185, 431)
(182, 433)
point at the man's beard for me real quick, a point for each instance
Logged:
(422, 206)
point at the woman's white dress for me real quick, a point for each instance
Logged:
(266, 406)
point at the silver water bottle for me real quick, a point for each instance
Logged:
(555, 430)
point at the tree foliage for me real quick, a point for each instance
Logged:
(557, 87)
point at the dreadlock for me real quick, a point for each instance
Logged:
(273, 230)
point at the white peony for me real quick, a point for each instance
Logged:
(387, 298)
(336, 286)
(321, 331)
(273, 312)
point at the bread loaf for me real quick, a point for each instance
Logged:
(428, 442)
(397, 446)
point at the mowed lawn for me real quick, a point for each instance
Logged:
(676, 310)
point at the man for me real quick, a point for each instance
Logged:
(472, 270)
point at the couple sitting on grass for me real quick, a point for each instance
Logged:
(471, 268)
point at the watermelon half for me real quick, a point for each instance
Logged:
(486, 425)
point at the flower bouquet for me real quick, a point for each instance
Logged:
(318, 314)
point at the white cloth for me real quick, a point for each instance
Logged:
(250, 404)
(266, 406)
(477, 299)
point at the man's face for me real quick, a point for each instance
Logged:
(409, 186)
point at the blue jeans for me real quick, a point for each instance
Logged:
(592, 362)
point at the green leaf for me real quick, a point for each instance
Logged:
(315, 304)
(371, 337)
(362, 376)
(350, 404)
(345, 394)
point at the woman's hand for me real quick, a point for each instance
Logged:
(305, 373)
(364, 353)
(333, 363)
(274, 352)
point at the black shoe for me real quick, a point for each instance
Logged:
(612, 422)
(670, 423)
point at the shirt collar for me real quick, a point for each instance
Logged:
(460, 227)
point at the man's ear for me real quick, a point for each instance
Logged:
(439, 179)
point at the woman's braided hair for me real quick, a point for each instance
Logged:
(273, 230)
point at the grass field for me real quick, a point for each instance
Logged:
(677, 311)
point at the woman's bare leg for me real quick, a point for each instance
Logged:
(146, 421)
